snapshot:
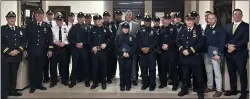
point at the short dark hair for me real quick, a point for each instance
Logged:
(208, 12)
(238, 10)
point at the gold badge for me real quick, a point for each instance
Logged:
(215, 52)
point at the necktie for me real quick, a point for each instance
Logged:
(12, 28)
(50, 23)
(234, 28)
(38, 24)
(60, 33)
(189, 30)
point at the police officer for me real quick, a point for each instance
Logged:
(50, 20)
(40, 45)
(112, 61)
(156, 22)
(168, 34)
(125, 47)
(197, 18)
(99, 38)
(60, 33)
(147, 40)
(138, 19)
(13, 44)
(71, 20)
(88, 19)
(177, 21)
(190, 41)
(78, 37)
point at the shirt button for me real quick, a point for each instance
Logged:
(37, 35)
(15, 39)
(38, 31)
(38, 40)
(15, 44)
(187, 42)
(37, 44)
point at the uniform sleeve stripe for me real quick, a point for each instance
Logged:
(21, 47)
(51, 47)
(5, 50)
(192, 49)
(180, 48)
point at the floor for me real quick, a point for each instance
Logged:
(112, 91)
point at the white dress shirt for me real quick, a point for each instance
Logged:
(65, 31)
(238, 23)
(53, 22)
(71, 24)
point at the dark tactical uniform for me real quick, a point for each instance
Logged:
(125, 43)
(192, 40)
(168, 34)
(79, 34)
(112, 61)
(157, 49)
(98, 36)
(40, 41)
(147, 38)
(60, 55)
(48, 60)
(12, 38)
(114, 31)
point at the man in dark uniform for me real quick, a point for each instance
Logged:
(78, 38)
(118, 19)
(236, 54)
(138, 19)
(156, 22)
(125, 47)
(40, 45)
(177, 21)
(60, 33)
(13, 42)
(99, 37)
(112, 61)
(168, 34)
(190, 41)
(147, 40)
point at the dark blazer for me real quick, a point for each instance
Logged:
(240, 37)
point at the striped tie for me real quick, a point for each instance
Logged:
(234, 28)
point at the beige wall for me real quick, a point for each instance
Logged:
(244, 6)
(203, 7)
(148, 6)
(7, 6)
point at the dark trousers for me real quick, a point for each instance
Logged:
(192, 66)
(112, 62)
(46, 68)
(60, 56)
(125, 66)
(68, 58)
(236, 62)
(148, 64)
(158, 60)
(9, 77)
(99, 66)
(76, 55)
(36, 65)
(169, 59)
(135, 66)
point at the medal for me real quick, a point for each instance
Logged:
(130, 39)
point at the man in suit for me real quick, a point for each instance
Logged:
(236, 54)
(206, 19)
(134, 27)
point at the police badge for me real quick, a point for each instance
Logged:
(143, 30)
(65, 30)
(86, 28)
(130, 39)
(21, 33)
(171, 29)
(151, 32)
(213, 32)
(104, 31)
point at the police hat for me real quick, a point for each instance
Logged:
(138, 17)
(147, 18)
(194, 14)
(11, 14)
(71, 14)
(106, 13)
(88, 16)
(167, 16)
(118, 12)
(59, 17)
(156, 19)
(39, 10)
(96, 17)
(80, 15)
(189, 17)
(177, 15)
(125, 25)
(49, 12)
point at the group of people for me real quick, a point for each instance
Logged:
(187, 52)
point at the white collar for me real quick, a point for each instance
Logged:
(40, 23)
(213, 25)
(12, 26)
(238, 22)
(190, 28)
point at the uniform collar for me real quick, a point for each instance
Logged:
(40, 23)
(12, 26)
(213, 26)
(190, 28)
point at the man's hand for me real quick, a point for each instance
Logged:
(216, 57)
(94, 49)
(103, 46)
(126, 55)
(79, 45)
(143, 49)
(185, 52)
(62, 44)
(49, 54)
(14, 53)
(231, 47)
(57, 43)
(165, 46)
(147, 50)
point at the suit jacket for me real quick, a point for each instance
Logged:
(241, 36)
(135, 27)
